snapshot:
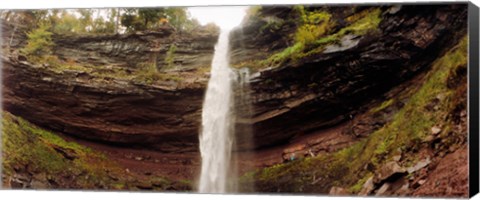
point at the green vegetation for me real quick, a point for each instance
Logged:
(25, 144)
(149, 74)
(292, 52)
(170, 57)
(361, 23)
(253, 11)
(347, 167)
(39, 48)
(39, 42)
(359, 185)
(313, 34)
(68, 23)
(150, 18)
(272, 26)
(29, 149)
(314, 25)
(384, 105)
(104, 21)
(147, 71)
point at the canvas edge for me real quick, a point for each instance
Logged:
(473, 103)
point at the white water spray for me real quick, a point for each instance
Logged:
(216, 138)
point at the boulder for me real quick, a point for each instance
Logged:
(367, 187)
(383, 190)
(419, 165)
(389, 172)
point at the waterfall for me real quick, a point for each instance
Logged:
(216, 138)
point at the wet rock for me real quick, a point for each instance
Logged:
(347, 42)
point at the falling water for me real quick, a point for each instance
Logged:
(216, 138)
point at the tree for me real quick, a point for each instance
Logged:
(114, 19)
(33, 18)
(177, 17)
(54, 17)
(86, 19)
(151, 16)
(191, 24)
(131, 20)
(68, 23)
(39, 41)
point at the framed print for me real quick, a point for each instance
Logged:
(320, 99)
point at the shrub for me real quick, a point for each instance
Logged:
(314, 25)
(369, 20)
(39, 42)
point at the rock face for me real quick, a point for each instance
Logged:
(191, 50)
(324, 89)
(320, 91)
(165, 115)
(251, 41)
(118, 112)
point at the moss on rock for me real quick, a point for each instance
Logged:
(350, 167)
(46, 158)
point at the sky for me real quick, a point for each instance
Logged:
(226, 17)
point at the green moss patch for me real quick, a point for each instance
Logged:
(29, 149)
(314, 33)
